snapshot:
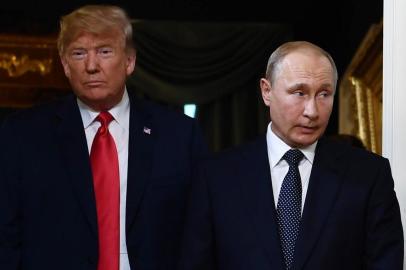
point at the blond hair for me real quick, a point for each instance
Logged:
(95, 19)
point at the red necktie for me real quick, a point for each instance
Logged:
(106, 181)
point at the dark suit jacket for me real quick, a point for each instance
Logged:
(351, 218)
(47, 204)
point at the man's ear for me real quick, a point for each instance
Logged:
(131, 59)
(265, 86)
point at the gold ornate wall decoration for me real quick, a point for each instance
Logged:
(30, 71)
(367, 109)
(19, 65)
(360, 93)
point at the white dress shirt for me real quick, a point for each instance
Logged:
(119, 129)
(279, 167)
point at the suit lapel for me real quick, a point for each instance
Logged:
(73, 148)
(140, 153)
(255, 179)
(324, 186)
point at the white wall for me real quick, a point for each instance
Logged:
(394, 95)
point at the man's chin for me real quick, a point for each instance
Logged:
(306, 140)
(99, 103)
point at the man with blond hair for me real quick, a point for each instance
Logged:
(97, 180)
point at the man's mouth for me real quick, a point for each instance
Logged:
(308, 129)
(94, 83)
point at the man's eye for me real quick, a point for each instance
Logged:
(298, 93)
(105, 52)
(325, 93)
(78, 54)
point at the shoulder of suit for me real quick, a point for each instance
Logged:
(38, 112)
(159, 111)
(348, 151)
(251, 150)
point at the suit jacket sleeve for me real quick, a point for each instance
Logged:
(10, 217)
(384, 238)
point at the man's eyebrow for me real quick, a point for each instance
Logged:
(102, 45)
(326, 85)
(305, 86)
(77, 48)
(298, 86)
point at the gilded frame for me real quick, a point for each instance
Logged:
(30, 71)
(360, 93)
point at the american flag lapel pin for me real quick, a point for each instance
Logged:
(147, 130)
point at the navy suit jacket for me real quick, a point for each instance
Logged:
(351, 218)
(47, 205)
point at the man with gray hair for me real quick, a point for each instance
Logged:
(98, 180)
(292, 199)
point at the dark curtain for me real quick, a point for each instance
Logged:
(216, 66)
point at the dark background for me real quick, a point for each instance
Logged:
(337, 26)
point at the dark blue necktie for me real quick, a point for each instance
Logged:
(289, 206)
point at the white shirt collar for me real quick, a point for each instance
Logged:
(277, 148)
(118, 112)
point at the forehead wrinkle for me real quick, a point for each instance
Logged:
(307, 83)
(91, 43)
(299, 61)
(299, 72)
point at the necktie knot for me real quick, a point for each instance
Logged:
(104, 118)
(293, 157)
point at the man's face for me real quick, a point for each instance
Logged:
(301, 98)
(97, 67)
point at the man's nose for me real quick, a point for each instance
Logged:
(311, 109)
(92, 63)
